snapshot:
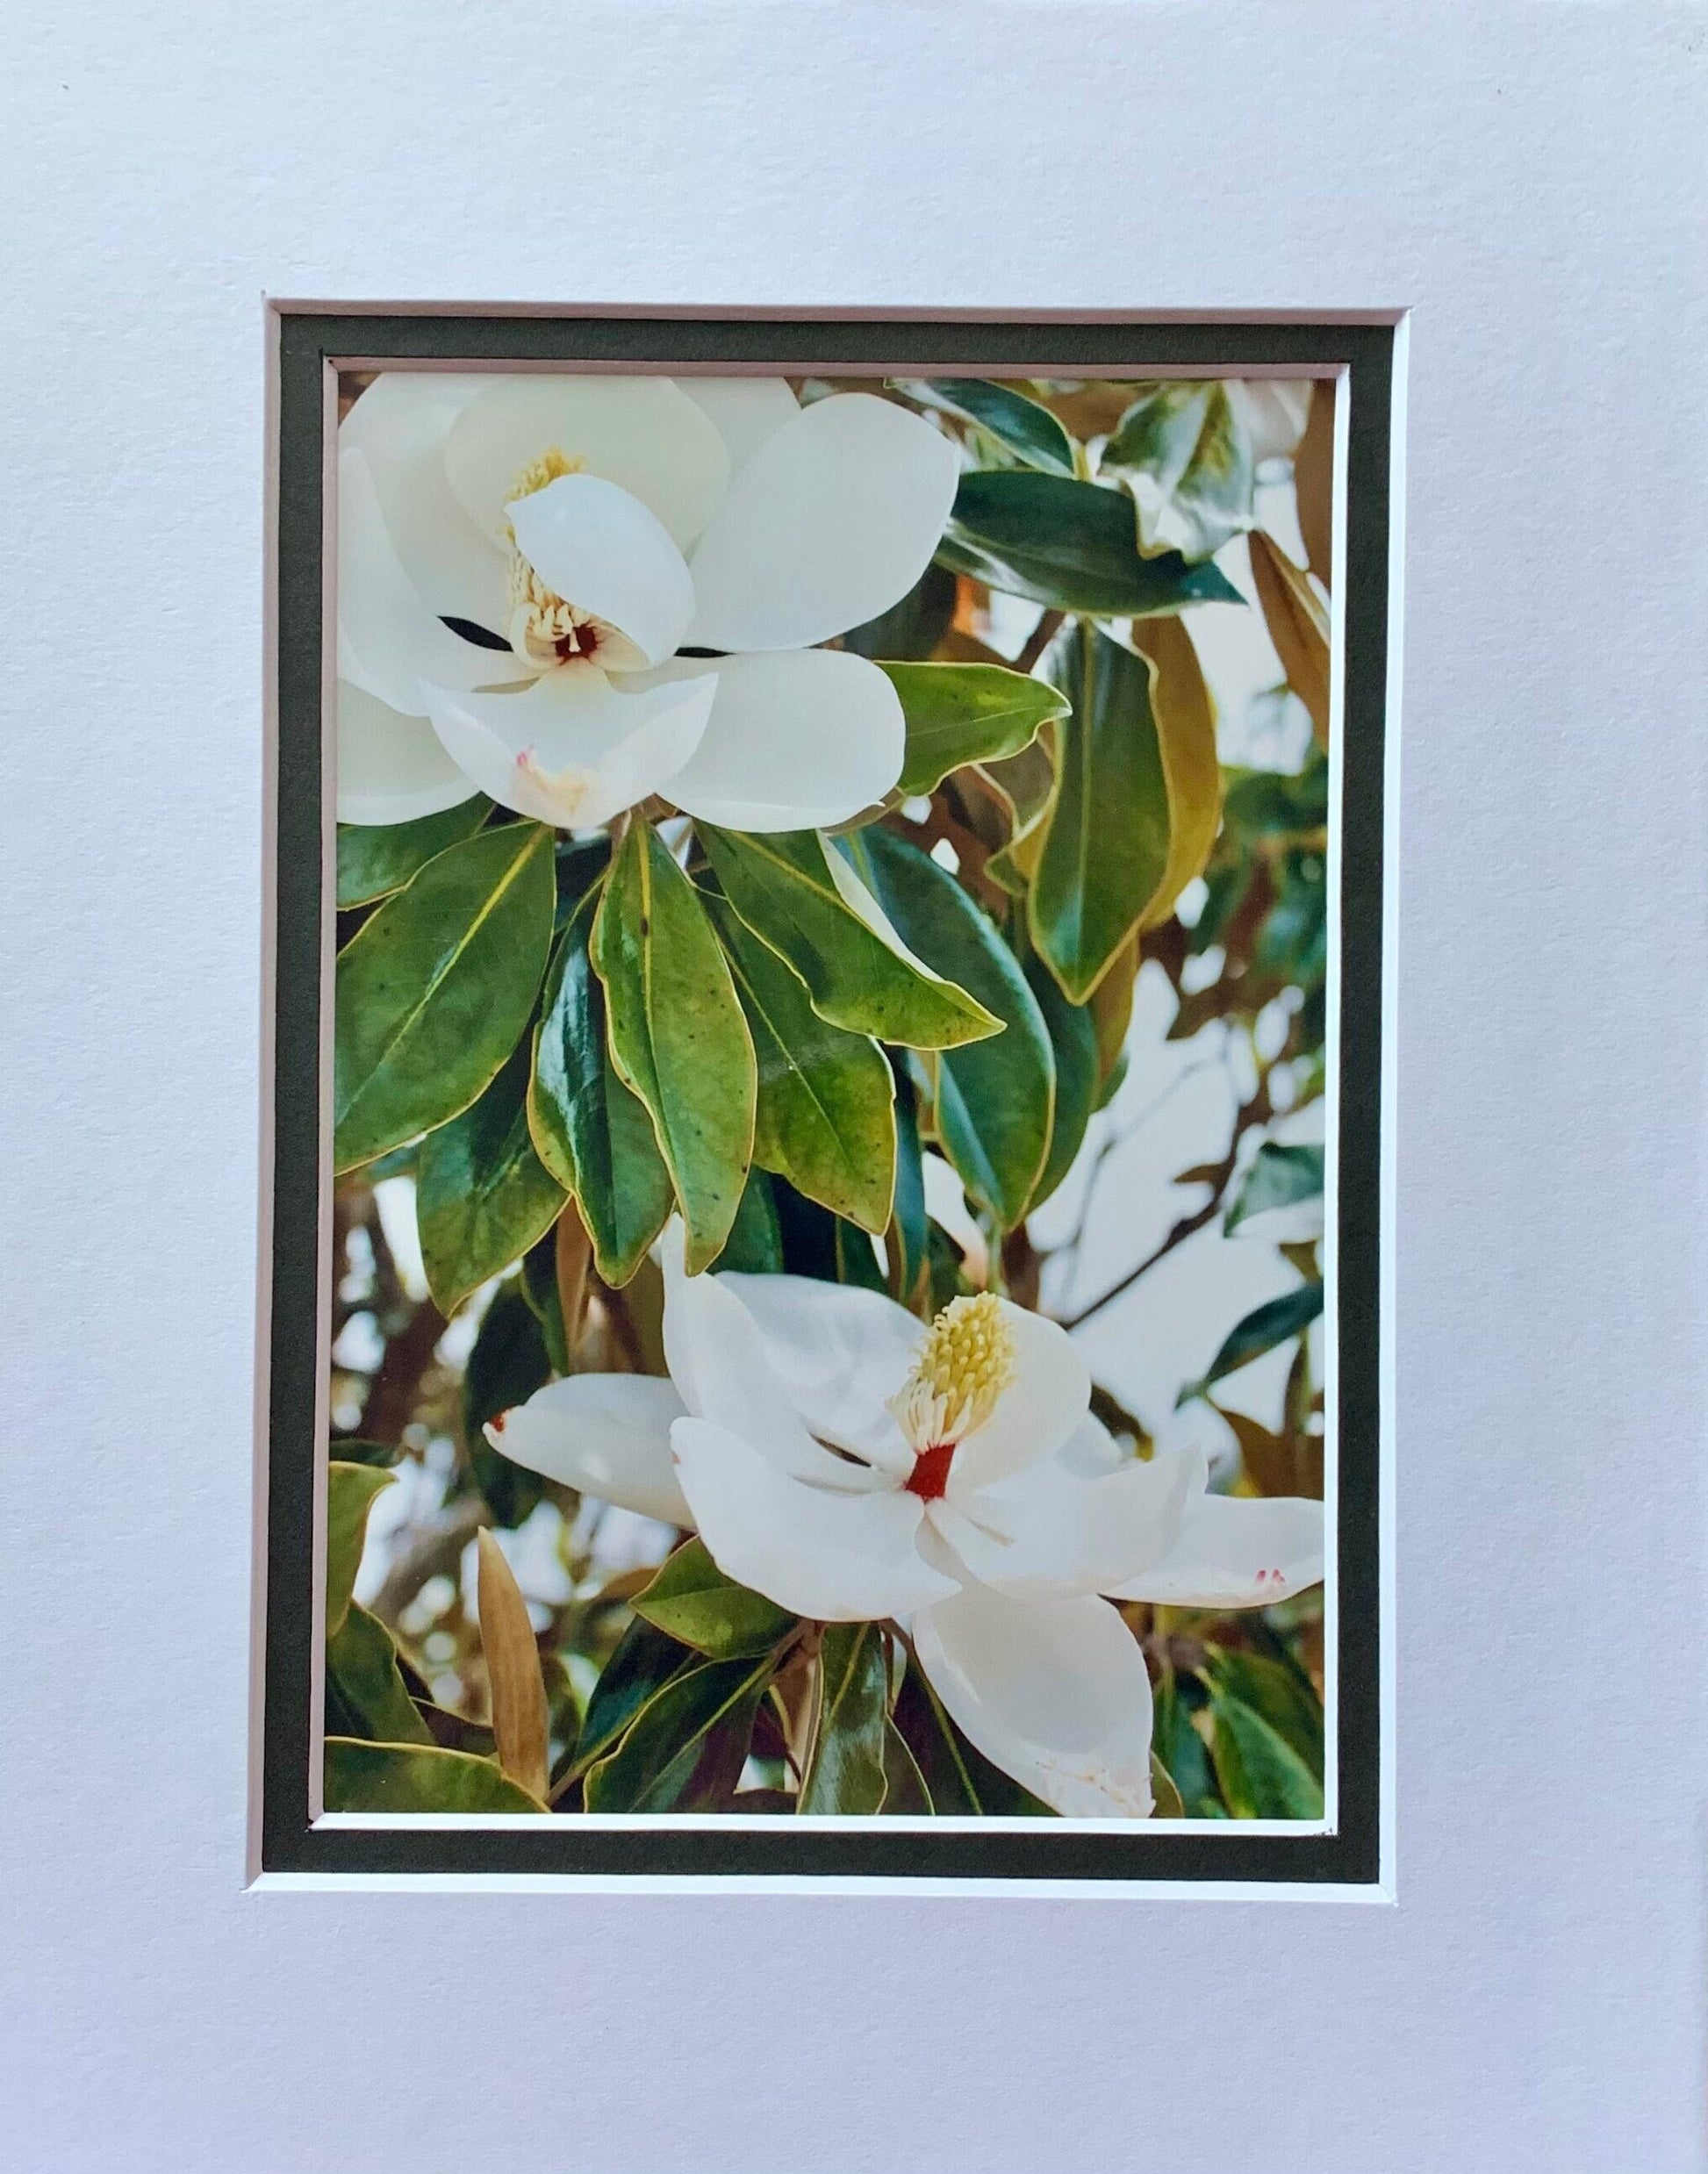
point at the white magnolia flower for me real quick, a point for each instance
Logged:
(853, 1467)
(521, 558)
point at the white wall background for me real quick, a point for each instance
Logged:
(1529, 179)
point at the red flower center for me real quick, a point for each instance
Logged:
(581, 643)
(929, 1477)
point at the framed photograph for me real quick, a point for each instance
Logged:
(828, 1306)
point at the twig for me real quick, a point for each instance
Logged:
(434, 1552)
(1256, 1111)
(1039, 640)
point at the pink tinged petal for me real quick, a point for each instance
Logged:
(642, 433)
(799, 739)
(747, 411)
(1052, 1692)
(838, 1354)
(1236, 1552)
(399, 425)
(389, 640)
(604, 1434)
(600, 548)
(833, 518)
(391, 768)
(1050, 1530)
(1037, 1412)
(721, 1362)
(572, 750)
(837, 1558)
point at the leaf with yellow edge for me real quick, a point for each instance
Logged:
(1111, 1010)
(1185, 719)
(1137, 798)
(520, 1728)
(1313, 480)
(1298, 627)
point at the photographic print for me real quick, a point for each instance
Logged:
(832, 1086)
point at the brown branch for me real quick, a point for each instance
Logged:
(1039, 640)
(391, 1400)
(436, 1552)
(1256, 1111)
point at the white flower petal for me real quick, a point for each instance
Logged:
(595, 545)
(837, 1558)
(571, 750)
(837, 1353)
(721, 1362)
(799, 739)
(389, 641)
(400, 424)
(1052, 1692)
(604, 1434)
(833, 518)
(747, 411)
(1275, 412)
(1038, 1411)
(1049, 1530)
(1237, 1552)
(391, 768)
(642, 433)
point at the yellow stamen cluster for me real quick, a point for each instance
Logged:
(966, 1363)
(550, 464)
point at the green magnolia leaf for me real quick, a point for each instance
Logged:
(685, 1748)
(509, 1359)
(645, 1660)
(908, 1236)
(1279, 1177)
(906, 1795)
(1282, 1696)
(1072, 1033)
(366, 1694)
(589, 1130)
(351, 1489)
(755, 1244)
(1262, 1777)
(959, 714)
(1025, 427)
(1269, 804)
(482, 1195)
(1167, 1804)
(960, 1781)
(1181, 1750)
(1260, 1331)
(825, 1119)
(856, 1262)
(435, 988)
(375, 859)
(676, 1033)
(845, 1767)
(692, 1600)
(405, 1777)
(995, 1099)
(539, 1287)
(1070, 545)
(790, 892)
(915, 625)
(1186, 456)
(1137, 800)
